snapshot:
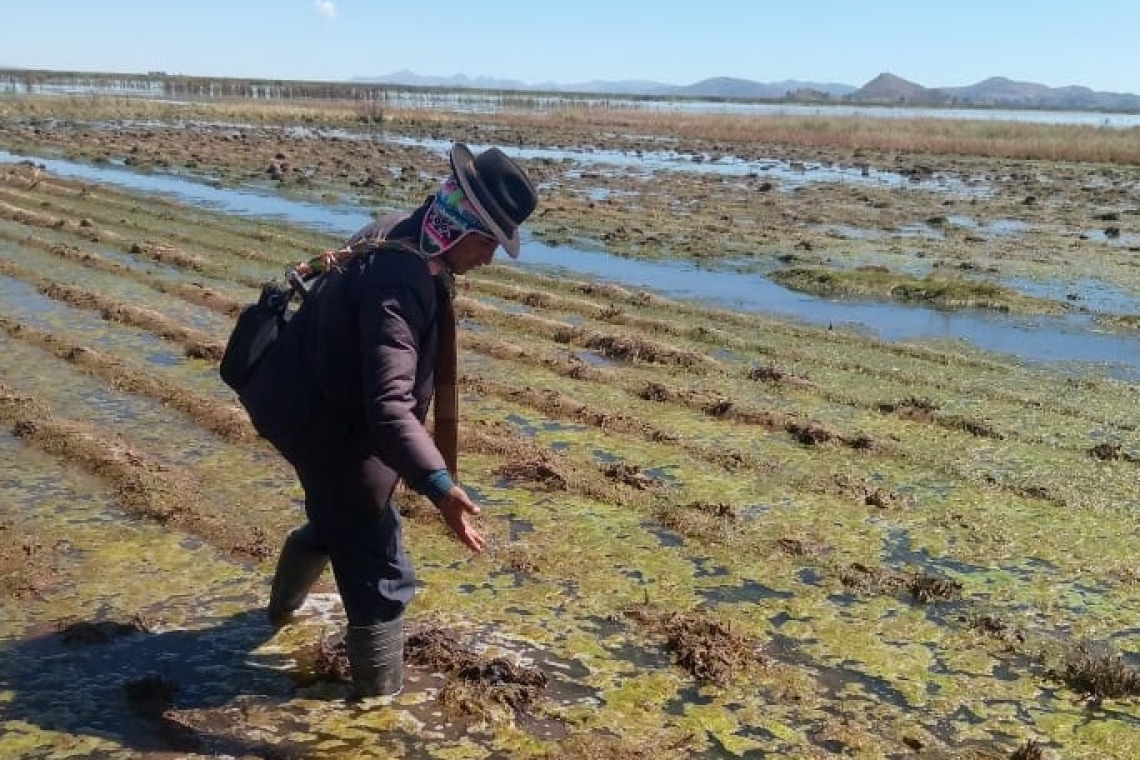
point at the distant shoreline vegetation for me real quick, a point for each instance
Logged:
(886, 90)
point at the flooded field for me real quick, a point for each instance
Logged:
(715, 530)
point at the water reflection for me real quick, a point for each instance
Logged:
(789, 174)
(1070, 340)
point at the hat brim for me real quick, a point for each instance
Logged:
(463, 167)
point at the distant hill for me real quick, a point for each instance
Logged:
(995, 91)
(718, 87)
(886, 88)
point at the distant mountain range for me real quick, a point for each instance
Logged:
(885, 89)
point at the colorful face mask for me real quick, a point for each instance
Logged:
(449, 218)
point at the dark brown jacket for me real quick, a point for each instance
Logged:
(353, 371)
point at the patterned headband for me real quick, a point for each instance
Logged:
(449, 218)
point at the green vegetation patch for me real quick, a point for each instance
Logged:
(934, 290)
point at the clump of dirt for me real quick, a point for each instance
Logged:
(537, 471)
(929, 589)
(1034, 491)
(732, 460)
(815, 433)
(861, 442)
(1097, 672)
(977, 428)
(1108, 452)
(869, 493)
(923, 588)
(1031, 750)
(998, 628)
(164, 253)
(654, 391)
(720, 408)
(631, 348)
(519, 560)
(911, 408)
(870, 580)
(537, 299)
(710, 521)
(714, 405)
(630, 475)
(101, 631)
(706, 648)
(27, 566)
(503, 440)
(811, 433)
(602, 746)
(490, 688)
(438, 650)
(477, 687)
(325, 660)
(766, 374)
(801, 547)
(331, 660)
(773, 375)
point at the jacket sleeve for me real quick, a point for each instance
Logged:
(396, 313)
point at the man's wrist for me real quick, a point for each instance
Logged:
(435, 486)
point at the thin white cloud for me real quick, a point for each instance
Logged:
(327, 8)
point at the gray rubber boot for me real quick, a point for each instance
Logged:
(376, 657)
(298, 568)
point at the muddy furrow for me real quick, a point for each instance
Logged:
(144, 487)
(85, 228)
(617, 346)
(707, 402)
(196, 344)
(161, 253)
(82, 228)
(724, 385)
(229, 422)
(621, 311)
(811, 434)
(169, 219)
(534, 466)
(191, 292)
(782, 342)
(555, 405)
(718, 404)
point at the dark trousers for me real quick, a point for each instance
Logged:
(353, 520)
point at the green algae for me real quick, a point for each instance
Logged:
(938, 290)
(1036, 531)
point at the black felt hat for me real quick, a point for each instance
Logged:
(498, 189)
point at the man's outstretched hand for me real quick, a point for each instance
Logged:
(456, 506)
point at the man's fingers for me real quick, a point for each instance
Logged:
(474, 540)
(457, 520)
(471, 537)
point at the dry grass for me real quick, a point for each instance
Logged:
(935, 136)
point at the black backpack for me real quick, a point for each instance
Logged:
(256, 330)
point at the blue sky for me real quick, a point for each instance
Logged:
(932, 42)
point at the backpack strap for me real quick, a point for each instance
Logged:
(445, 406)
